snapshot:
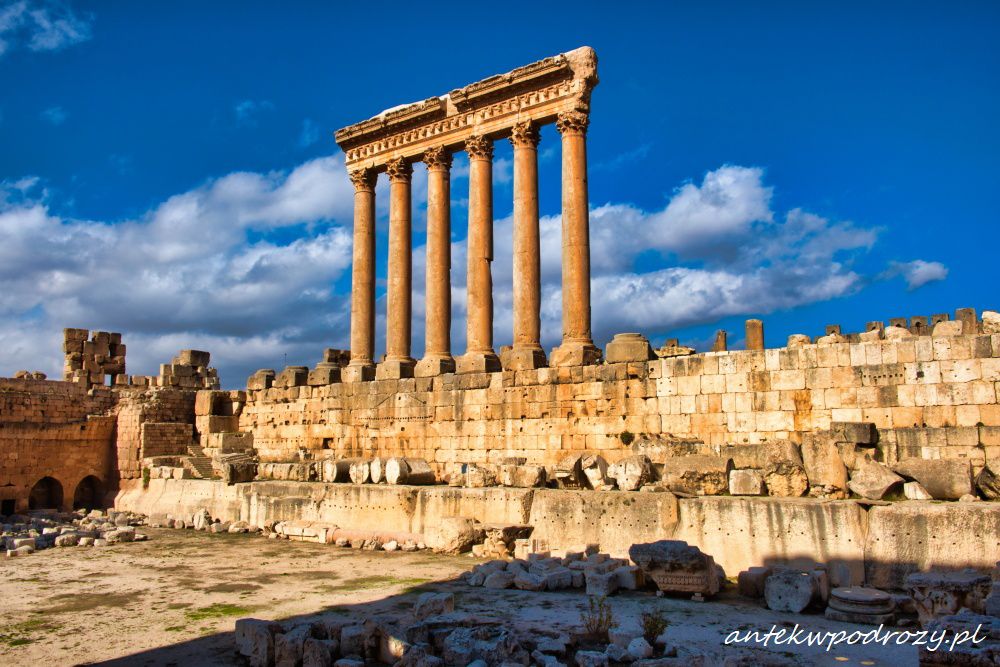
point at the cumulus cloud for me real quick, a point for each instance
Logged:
(917, 273)
(254, 267)
(41, 26)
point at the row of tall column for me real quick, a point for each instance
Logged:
(577, 347)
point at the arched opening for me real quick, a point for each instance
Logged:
(89, 494)
(47, 493)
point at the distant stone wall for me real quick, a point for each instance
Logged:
(139, 407)
(914, 385)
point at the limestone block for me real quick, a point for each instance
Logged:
(595, 469)
(319, 652)
(601, 584)
(661, 447)
(862, 433)
(409, 471)
(947, 328)
(255, 640)
(750, 582)
(288, 646)
(991, 322)
(944, 479)
(193, 358)
(790, 590)
(914, 491)
(454, 535)
(360, 471)
(798, 340)
(632, 472)
(376, 470)
(292, 376)
(323, 375)
(873, 480)
(502, 579)
(677, 567)
(568, 473)
(941, 593)
(628, 347)
(762, 455)
(823, 463)
(432, 604)
(478, 476)
(699, 475)
(870, 336)
(746, 483)
(786, 480)
(897, 333)
(260, 380)
(522, 476)
(988, 484)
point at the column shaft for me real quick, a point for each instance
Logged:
(480, 356)
(527, 349)
(577, 347)
(399, 283)
(363, 278)
(437, 350)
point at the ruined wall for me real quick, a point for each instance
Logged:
(137, 409)
(53, 429)
(915, 384)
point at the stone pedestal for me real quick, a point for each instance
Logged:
(626, 347)
(478, 362)
(434, 365)
(575, 353)
(358, 373)
(395, 369)
(523, 359)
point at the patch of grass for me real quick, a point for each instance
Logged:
(218, 610)
(19, 634)
(378, 581)
(175, 628)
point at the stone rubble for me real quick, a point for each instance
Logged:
(23, 535)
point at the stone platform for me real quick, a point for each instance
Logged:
(861, 544)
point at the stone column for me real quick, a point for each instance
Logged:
(527, 351)
(755, 335)
(577, 347)
(362, 364)
(479, 356)
(437, 350)
(399, 285)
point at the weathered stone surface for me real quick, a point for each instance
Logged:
(942, 593)
(991, 322)
(873, 480)
(762, 455)
(479, 476)
(948, 328)
(631, 472)
(750, 582)
(746, 483)
(601, 584)
(288, 646)
(431, 604)
(988, 484)
(628, 347)
(822, 461)
(914, 491)
(897, 333)
(502, 579)
(677, 567)
(698, 475)
(255, 640)
(639, 649)
(595, 470)
(454, 535)
(591, 659)
(944, 479)
(522, 476)
(789, 590)
(861, 433)
(360, 471)
(786, 480)
(660, 447)
(319, 652)
(568, 473)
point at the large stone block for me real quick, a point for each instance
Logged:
(697, 475)
(861, 433)
(628, 347)
(944, 479)
(822, 461)
(873, 480)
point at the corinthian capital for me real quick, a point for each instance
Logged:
(363, 179)
(572, 122)
(437, 159)
(525, 135)
(479, 148)
(399, 170)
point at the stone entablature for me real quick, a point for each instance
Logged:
(736, 397)
(490, 108)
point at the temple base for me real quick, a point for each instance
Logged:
(395, 369)
(575, 353)
(431, 366)
(479, 362)
(357, 373)
(523, 359)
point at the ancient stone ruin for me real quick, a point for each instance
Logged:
(793, 475)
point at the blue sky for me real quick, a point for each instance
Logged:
(168, 169)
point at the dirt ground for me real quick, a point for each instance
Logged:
(173, 601)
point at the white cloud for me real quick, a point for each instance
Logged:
(917, 273)
(55, 115)
(41, 26)
(205, 268)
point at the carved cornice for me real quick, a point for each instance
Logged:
(572, 122)
(399, 171)
(538, 93)
(363, 179)
(479, 148)
(525, 135)
(438, 158)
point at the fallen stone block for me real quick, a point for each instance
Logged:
(914, 491)
(746, 483)
(499, 580)
(591, 659)
(522, 476)
(639, 649)
(790, 590)
(822, 461)
(568, 473)
(698, 475)
(319, 652)
(432, 604)
(677, 567)
(944, 479)
(942, 593)
(288, 646)
(454, 535)
(988, 484)
(751, 581)
(479, 476)
(786, 480)
(873, 480)
(595, 470)
(255, 640)
(632, 472)
(601, 584)
(409, 471)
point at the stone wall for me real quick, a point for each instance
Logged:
(937, 390)
(138, 406)
(53, 429)
(877, 545)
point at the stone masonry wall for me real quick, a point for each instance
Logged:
(136, 407)
(913, 384)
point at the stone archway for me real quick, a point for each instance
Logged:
(47, 493)
(89, 494)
